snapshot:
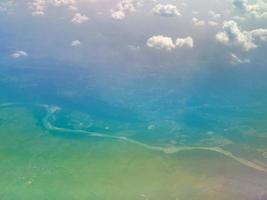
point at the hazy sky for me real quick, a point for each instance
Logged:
(134, 32)
(124, 40)
(152, 46)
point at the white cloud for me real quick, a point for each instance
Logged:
(38, 12)
(233, 36)
(75, 43)
(184, 42)
(39, 6)
(119, 15)
(213, 23)
(6, 5)
(60, 3)
(258, 34)
(235, 60)
(198, 22)
(19, 54)
(161, 42)
(256, 9)
(214, 15)
(166, 43)
(78, 18)
(167, 10)
(124, 7)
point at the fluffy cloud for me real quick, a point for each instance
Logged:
(233, 36)
(78, 18)
(39, 6)
(235, 60)
(124, 7)
(184, 42)
(257, 9)
(198, 22)
(118, 15)
(161, 42)
(167, 10)
(19, 54)
(166, 43)
(75, 43)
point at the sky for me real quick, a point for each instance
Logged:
(131, 40)
(135, 32)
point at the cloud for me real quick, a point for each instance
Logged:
(166, 43)
(198, 22)
(258, 35)
(19, 54)
(235, 60)
(257, 9)
(167, 10)
(161, 42)
(124, 7)
(39, 6)
(134, 47)
(240, 4)
(60, 3)
(214, 15)
(184, 42)
(213, 23)
(233, 36)
(78, 18)
(239, 18)
(6, 6)
(118, 15)
(75, 43)
(38, 12)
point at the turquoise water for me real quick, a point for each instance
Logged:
(73, 133)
